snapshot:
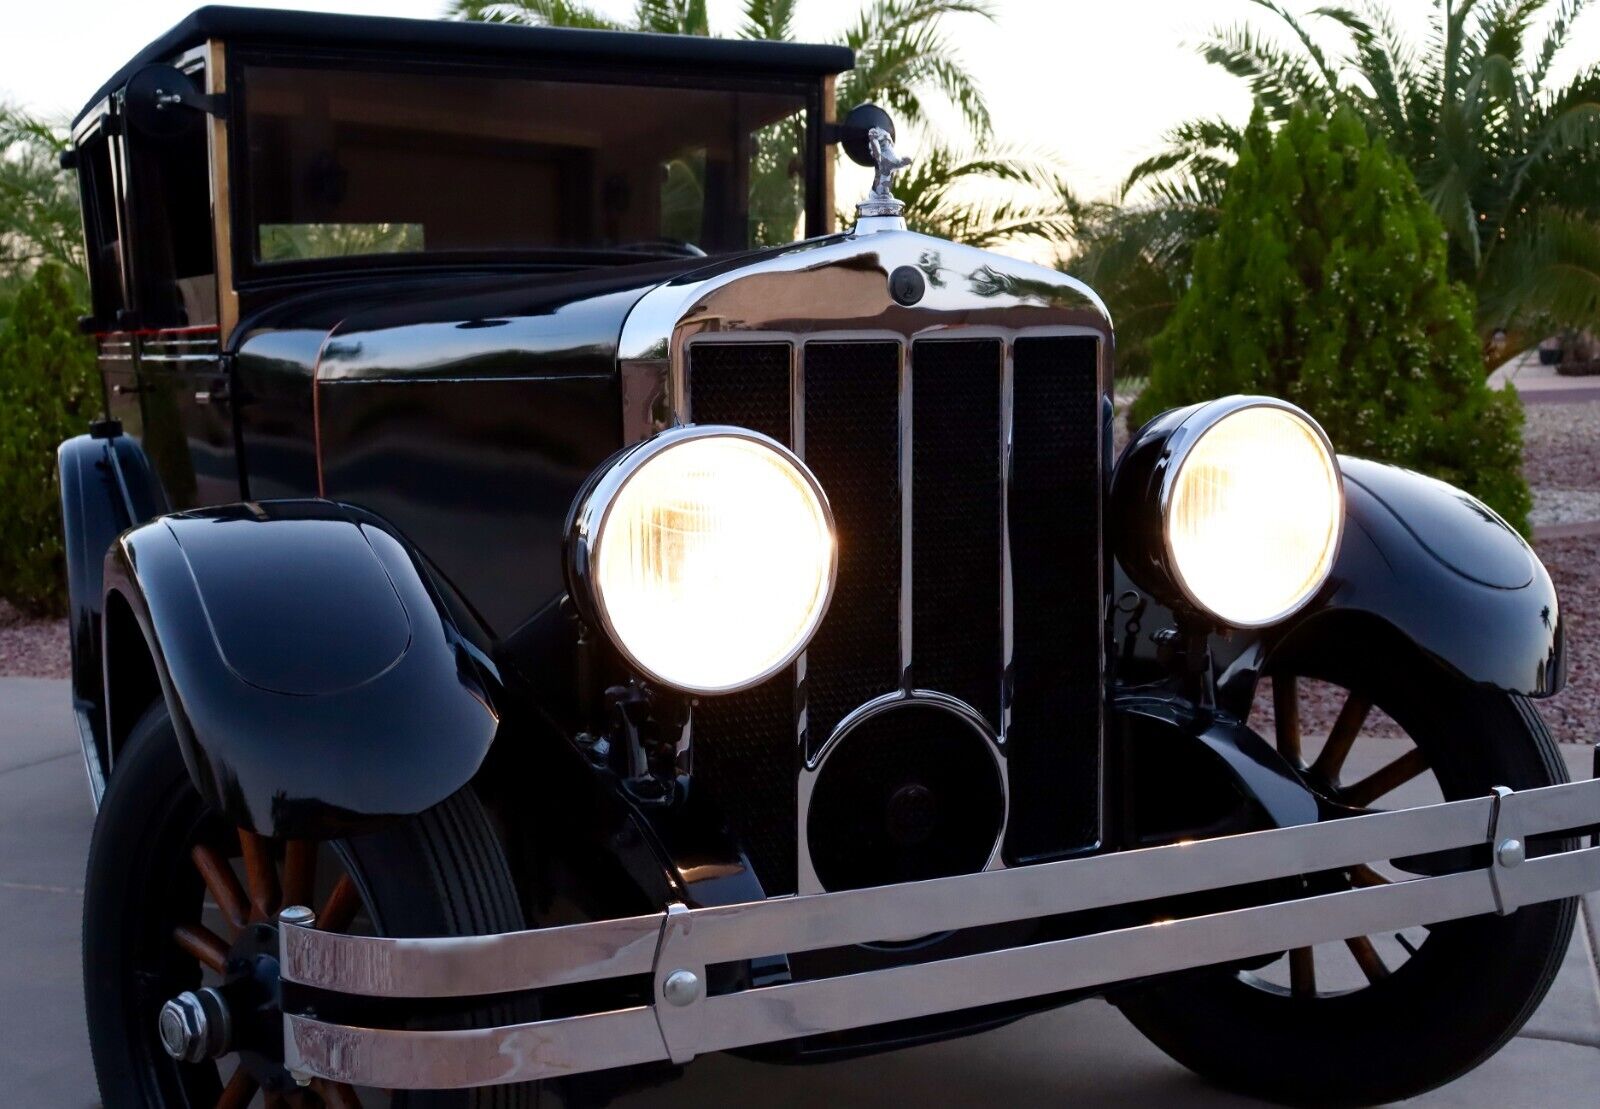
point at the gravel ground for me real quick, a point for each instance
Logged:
(1561, 446)
(1574, 565)
(32, 648)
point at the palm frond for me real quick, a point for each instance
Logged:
(1551, 279)
(1277, 79)
(1555, 38)
(673, 17)
(1330, 78)
(1382, 59)
(1033, 203)
(903, 54)
(768, 19)
(538, 13)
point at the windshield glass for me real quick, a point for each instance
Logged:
(344, 163)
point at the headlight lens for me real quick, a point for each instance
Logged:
(1253, 515)
(711, 558)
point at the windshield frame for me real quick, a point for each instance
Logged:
(251, 272)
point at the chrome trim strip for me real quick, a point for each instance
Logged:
(1007, 592)
(908, 433)
(684, 940)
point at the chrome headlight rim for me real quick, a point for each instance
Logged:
(592, 510)
(1189, 432)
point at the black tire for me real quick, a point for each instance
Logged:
(440, 873)
(1456, 1001)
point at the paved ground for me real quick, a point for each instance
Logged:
(1540, 384)
(1086, 1054)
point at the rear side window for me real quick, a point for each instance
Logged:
(97, 191)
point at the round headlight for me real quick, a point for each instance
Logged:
(1249, 502)
(707, 555)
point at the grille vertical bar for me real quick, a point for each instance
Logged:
(956, 605)
(1054, 739)
(744, 750)
(852, 444)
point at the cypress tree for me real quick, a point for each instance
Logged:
(1327, 284)
(49, 391)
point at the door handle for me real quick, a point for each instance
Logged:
(217, 394)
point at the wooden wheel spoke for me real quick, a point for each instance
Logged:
(1286, 716)
(338, 1095)
(299, 871)
(261, 872)
(204, 944)
(1302, 973)
(222, 885)
(1385, 781)
(1364, 876)
(1367, 957)
(238, 1092)
(1346, 728)
(340, 908)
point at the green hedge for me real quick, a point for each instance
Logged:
(1326, 285)
(49, 391)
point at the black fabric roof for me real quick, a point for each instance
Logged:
(506, 42)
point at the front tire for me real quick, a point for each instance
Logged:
(173, 894)
(1431, 1007)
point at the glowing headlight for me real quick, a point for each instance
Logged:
(1249, 502)
(707, 554)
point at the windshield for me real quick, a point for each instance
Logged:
(343, 163)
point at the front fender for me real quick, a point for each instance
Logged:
(317, 677)
(1440, 569)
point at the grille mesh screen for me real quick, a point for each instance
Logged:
(744, 747)
(852, 444)
(1055, 525)
(955, 511)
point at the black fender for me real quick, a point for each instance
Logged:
(107, 486)
(1430, 566)
(320, 677)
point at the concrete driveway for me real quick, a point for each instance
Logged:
(1085, 1055)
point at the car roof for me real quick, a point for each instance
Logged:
(498, 41)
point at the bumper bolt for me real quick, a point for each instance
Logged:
(1511, 852)
(682, 987)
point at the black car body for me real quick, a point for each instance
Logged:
(378, 304)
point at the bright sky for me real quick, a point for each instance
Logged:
(1096, 83)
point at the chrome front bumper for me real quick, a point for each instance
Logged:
(674, 947)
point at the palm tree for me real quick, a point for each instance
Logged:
(1494, 145)
(906, 61)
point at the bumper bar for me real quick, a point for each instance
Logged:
(674, 947)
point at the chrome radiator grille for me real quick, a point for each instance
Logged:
(964, 567)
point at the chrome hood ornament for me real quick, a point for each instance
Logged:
(881, 202)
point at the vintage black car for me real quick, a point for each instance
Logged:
(546, 605)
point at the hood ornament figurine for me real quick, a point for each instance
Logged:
(886, 162)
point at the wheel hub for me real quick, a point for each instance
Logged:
(195, 1025)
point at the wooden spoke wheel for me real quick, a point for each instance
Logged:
(1352, 754)
(1376, 1018)
(274, 876)
(180, 935)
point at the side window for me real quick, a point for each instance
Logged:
(169, 202)
(97, 188)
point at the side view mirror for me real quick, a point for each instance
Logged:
(851, 132)
(162, 101)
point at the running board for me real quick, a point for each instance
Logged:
(675, 947)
